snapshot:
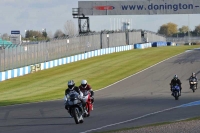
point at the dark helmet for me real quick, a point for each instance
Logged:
(193, 74)
(84, 83)
(71, 84)
(175, 77)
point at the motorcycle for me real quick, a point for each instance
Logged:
(176, 91)
(87, 98)
(193, 84)
(75, 108)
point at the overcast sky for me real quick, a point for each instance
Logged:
(52, 14)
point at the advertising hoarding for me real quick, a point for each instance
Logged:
(139, 7)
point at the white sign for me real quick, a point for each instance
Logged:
(139, 7)
(15, 39)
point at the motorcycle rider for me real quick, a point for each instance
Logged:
(191, 77)
(72, 87)
(85, 86)
(175, 81)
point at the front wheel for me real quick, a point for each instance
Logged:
(193, 89)
(176, 95)
(77, 116)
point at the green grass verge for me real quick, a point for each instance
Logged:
(99, 71)
(150, 125)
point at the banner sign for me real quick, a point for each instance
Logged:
(139, 7)
(15, 32)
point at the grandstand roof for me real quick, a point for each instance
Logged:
(4, 42)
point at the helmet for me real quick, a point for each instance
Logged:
(84, 83)
(71, 84)
(193, 74)
(175, 77)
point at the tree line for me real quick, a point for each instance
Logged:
(69, 30)
(34, 35)
(171, 30)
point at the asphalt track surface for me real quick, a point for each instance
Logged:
(141, 99)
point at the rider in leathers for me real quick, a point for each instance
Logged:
(71, 87)
(85, 86)
(175, 81)
(191, 77)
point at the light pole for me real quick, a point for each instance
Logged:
(189, 29)
(25, 35)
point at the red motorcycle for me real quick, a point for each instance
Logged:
(88, 99)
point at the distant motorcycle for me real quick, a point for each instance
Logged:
(193, 84)
(73, 100)
(176, 91)
(87, 98)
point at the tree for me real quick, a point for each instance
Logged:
(163, 30)
(168, 29)
(31, 33)
(44, 33)
(34, 35)
(70, 28)
(197, 29)
(5, 36)
(59, 34)
(183, 29)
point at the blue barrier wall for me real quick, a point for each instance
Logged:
(159, 44)
(142, 46)
(153, 44)
(46, 65)
(171, 44)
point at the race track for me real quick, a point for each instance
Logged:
(141, 99)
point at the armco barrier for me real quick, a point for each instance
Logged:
(46, 65)
(159, 44)
(142, 46)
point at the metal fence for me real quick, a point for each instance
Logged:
(30, 53)
(153, 37)
(183, 40)
(135, 37)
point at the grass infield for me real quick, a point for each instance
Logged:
(99, 71)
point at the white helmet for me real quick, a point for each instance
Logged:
(84, 83)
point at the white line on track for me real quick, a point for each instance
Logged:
(114, 124)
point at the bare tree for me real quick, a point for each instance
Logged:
(70, 28)
(58, 34)
(5, 36)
